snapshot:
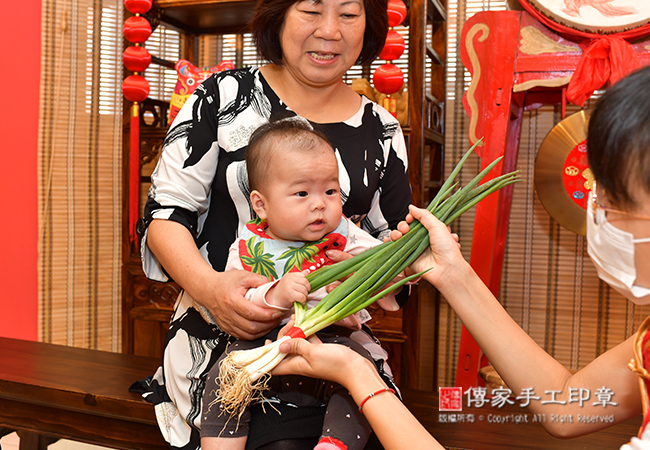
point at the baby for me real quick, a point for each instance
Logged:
(294, 179)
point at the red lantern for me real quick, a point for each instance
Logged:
(137, 6)
(394, 46)
(388, 78)
(396, 12)
(136, 58)
(135, 88)
(136, 29)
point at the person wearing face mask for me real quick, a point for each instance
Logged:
(618, 236)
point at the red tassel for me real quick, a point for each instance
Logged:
(134, 172)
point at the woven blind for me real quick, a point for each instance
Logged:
(549, 285)
(80, 135)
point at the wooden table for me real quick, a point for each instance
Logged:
(51, 391)
(485, 435)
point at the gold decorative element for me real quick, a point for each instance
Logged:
(588, 175)
(534, 42)
(572, 171)
(552, 82)
(476, 76)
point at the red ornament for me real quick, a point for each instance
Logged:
(394, 46)
(396, 12)
(388, 78)
(136, 58)
(137, 6)
(136, 29)
(135, 88)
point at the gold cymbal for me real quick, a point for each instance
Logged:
(562, 175)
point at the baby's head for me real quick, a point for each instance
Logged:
(293, 175)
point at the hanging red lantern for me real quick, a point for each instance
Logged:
(138, 6)
(394, 46)
(135, 88)
(396, 12)
(136, 58)
(388, 78)
(136, 29)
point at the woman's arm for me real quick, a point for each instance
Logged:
(518, 359)
(222, 293)
(393, 423)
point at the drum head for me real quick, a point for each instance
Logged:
(595, 16)
(562, 175)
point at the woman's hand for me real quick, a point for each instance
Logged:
(222, 293)
(224, 296)
(332, 362)
(444, 249)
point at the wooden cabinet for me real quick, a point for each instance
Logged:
(147, 305)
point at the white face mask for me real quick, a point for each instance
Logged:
(612, 251)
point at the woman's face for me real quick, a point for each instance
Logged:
(322, 39)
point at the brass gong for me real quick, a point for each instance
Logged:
(562, 175)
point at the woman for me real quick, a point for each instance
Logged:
(198, 199)
(618, 238)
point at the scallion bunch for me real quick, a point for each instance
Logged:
(242, 372)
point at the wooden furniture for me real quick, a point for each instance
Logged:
(51, 391)
(484, 433)
(535, 64)
(147, 305)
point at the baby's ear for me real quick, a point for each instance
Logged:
(258, 202)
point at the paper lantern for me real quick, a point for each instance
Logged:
(137, 6)
(396, 12)
(136, 58)
(388, 78)
(135, 88)
(394, 46)
(136, 29)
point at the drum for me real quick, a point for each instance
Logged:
(592, 16)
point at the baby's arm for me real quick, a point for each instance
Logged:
(279, 294)
(293, 287)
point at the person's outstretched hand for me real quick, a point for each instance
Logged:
(444, 249)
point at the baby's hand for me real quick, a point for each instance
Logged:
(293, 287)
(352, 322)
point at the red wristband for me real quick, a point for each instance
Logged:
(363, 402)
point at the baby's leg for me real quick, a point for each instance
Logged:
(344, 426)
(215, 443)
(219, 430)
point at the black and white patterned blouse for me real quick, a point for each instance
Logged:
(201, 182)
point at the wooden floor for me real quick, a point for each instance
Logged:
(484, 434)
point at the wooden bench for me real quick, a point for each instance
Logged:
(51, 391)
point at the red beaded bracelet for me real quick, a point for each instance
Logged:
(363, 402)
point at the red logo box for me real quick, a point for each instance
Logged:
(450, 398)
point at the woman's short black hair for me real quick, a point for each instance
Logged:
(270, 14)
(618, 139)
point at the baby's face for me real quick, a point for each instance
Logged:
(303, 196)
